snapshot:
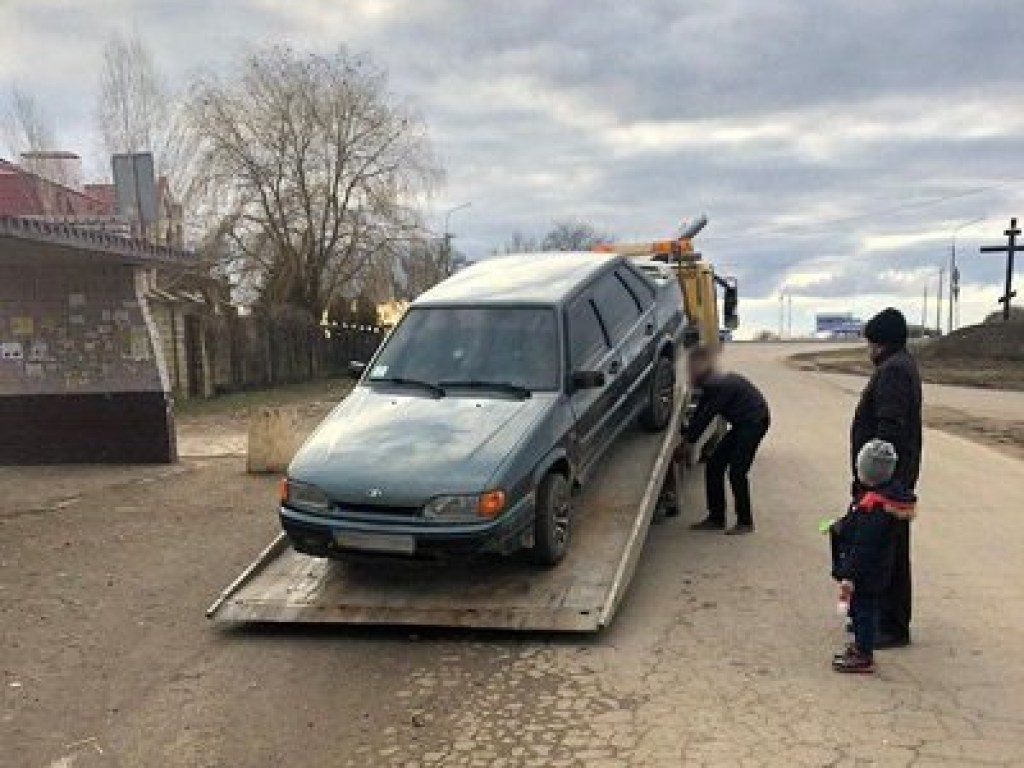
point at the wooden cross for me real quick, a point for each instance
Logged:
(1009, 249)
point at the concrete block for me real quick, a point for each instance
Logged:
(274, 437)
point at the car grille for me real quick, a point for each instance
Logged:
(341, 509)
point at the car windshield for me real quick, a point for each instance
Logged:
(505, 347)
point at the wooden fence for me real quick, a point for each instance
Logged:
(259, 351)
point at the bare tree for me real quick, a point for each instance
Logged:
(134, 104)
(520, 243)
(25, 127)
(563, 236)
(317, 168)
(573, 236)
(423, 265)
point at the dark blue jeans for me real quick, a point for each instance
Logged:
(864, 614)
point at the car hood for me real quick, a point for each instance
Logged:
(393, 449)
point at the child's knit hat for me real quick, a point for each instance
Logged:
(876, 462)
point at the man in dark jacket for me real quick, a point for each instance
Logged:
(890, 410)
(742, 405)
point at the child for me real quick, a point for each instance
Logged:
(862, 549)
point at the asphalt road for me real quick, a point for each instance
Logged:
(718, 657)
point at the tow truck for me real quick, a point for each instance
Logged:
(580, 594)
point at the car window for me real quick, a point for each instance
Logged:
(642, 290)
(616, 305)
(516, 346)
(587, 342)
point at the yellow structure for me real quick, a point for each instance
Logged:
(697, 279)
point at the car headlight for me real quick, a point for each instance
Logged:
(304, 496)
(465, 508)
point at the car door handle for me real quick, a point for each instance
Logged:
(649, 329)
(614, 367)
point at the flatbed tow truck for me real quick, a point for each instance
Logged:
(580, 594)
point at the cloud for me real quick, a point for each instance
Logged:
(834, 145)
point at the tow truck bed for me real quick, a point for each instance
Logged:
(581, 594)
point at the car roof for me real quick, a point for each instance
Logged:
(524, 278)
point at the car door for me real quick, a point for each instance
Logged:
(588, 350)
(641, 340)
(624, 323)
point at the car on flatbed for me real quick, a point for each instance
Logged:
(485, 408)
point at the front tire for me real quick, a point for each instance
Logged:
(661, 396)
(552, 520)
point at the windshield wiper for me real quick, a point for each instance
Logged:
(404, 382)
(498, 386)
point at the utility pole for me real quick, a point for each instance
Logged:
(954, 284)
(1009, 249)
(924, 311)
(782, 312)
(938, 304)
(790, 331)
(446, 242)
(954, 274)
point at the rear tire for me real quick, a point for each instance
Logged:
(661, 396)
(552, 520)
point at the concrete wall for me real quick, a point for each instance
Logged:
(81, 370)
(74, 330)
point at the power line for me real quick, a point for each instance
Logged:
(786, 228)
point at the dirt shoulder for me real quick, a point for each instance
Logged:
(958, 372)
(1006, 434)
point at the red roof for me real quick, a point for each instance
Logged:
(23, 193)
(104, 194)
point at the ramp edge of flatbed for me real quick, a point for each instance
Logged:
(270, 552)
(631, 554)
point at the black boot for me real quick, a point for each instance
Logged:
(739, 529)
(708, 524)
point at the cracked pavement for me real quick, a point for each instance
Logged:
(719, 655)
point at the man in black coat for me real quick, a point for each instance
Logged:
(741, 404)
(890, 410)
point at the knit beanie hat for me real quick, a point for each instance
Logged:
(876, 462)
(887, 327)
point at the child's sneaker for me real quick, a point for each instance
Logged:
(853, 660)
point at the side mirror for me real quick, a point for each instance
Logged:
(587, 380)
(356, 369)
(730, 301)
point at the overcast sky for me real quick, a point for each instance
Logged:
(834, 145)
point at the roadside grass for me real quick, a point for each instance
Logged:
(241, 404)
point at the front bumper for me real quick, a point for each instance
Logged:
(318, 535)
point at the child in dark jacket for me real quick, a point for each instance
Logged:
(862, 549)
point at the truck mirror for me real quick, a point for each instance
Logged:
(587, 379)
(730, 303)
(356, 368)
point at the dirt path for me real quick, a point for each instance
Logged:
(718, 657)
(991, 417)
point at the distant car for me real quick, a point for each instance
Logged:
(485, 407)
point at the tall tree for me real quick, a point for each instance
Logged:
(134, 103)
(520, 243)
(318, 167)
(563, 236)
(25, 125)
(573, 236)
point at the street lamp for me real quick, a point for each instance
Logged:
(448, 235)
(954, 272)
